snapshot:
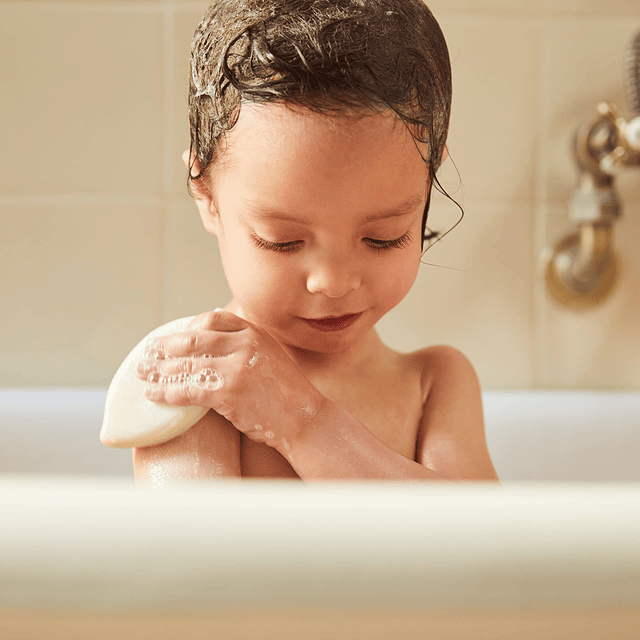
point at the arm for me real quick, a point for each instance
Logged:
(208, 450)
(259, 390)
(452, 434)
(451, 443)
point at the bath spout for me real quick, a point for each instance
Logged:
(581, 270)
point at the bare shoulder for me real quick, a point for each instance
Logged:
(451, 436)
(443, 359)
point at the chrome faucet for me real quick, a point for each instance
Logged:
(582, 269)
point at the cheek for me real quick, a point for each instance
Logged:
(259, 281)
(398, 277)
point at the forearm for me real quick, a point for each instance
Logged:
(334, 444)
(208, 450)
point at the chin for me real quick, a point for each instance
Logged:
(324, 344)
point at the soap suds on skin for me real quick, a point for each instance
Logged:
(253, 361)
(208, 379)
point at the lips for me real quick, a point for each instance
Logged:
(333, 323)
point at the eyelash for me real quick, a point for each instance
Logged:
(378, 245)
(384, 245)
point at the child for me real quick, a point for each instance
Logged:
(317, 127)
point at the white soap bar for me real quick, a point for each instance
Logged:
(130, 420)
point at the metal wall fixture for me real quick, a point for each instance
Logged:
(582, 269)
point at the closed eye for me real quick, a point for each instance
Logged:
(274, 246)
(383, 245)
(378, 245)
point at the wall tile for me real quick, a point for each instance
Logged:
(184, 25)
(478, 296)
(494, 120)
(194, 280)
(84, 288)
(82, 91)
(501, 7)
(593, 7)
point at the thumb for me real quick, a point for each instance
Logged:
(218, 320)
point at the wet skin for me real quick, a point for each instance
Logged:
(316, 218)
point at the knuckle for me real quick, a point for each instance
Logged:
(193, 342)
(187, 366)
(200, 321)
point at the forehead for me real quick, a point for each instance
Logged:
(278, 128)
(290, 154)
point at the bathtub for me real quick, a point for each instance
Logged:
(580, 436)
(553, 552)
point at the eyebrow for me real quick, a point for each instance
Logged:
(402, 209)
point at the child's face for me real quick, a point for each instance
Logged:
(299, 210)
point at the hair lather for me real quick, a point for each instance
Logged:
(331, 56)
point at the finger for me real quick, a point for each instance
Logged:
(181, 395)
(190, 343)
(173, 366)
(218, 320)
(184, 389)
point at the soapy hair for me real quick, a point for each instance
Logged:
(333, 57)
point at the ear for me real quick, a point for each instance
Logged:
(202, 194)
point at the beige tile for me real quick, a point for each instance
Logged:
(478, 296)
(501, 7)
(584, 66)
(184, 25)
(81, 90)
(593, 7)
(494, 119)
(194, 280)
(597, 348)
(81, 286)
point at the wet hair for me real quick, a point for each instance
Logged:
(333, 57)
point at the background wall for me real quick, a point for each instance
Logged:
(100, 243)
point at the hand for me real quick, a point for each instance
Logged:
(231, 366)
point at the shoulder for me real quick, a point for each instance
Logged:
(442, 365)
(451, 437)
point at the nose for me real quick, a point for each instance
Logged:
(334, 277)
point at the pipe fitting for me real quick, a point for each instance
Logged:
(582, 269)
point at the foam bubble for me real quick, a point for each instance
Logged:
(208, 379)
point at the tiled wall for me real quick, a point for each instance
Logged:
(100, 243)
